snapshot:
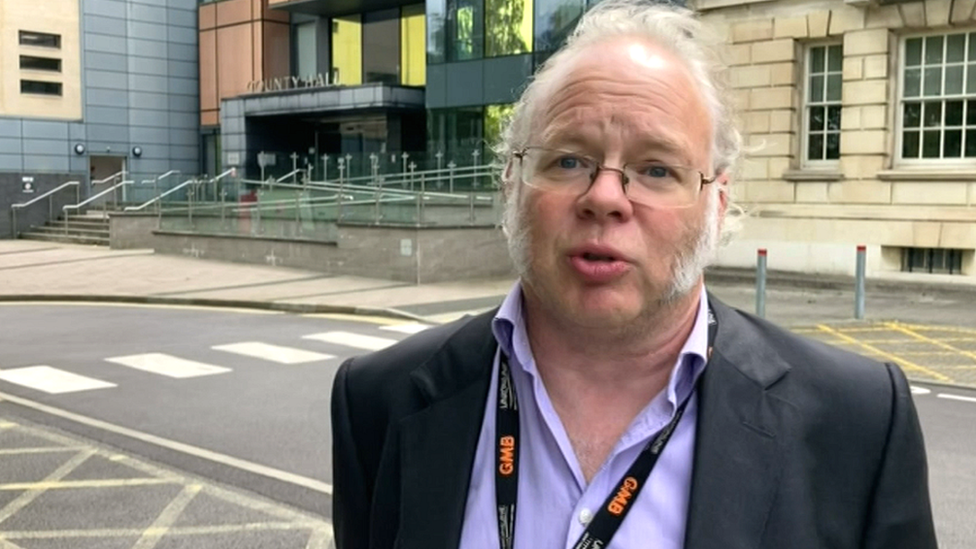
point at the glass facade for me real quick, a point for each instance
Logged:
(306, 58)
(381, 46)
(554, 20)
(508, 25)
(413, 65)
(347, 50)
(459, 132)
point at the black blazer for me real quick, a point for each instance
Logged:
(799, 445)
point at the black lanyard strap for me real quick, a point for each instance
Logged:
(611, 515)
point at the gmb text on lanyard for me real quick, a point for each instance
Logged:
(609, 517)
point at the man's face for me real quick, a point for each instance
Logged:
(595, 258)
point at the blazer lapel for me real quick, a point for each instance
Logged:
(738, 442)
(439, 442)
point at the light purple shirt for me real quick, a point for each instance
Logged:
(554, 501)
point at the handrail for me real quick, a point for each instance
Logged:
(109, 178)
(91, 199)
(45, 195)
(167, 174)
(231, 171)
(161, 196)
(289, 174)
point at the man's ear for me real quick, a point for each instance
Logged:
(722, 180)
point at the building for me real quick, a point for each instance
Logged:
(861, 120)
(327, 80)
(89, 88)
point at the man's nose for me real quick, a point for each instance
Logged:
(606, 196)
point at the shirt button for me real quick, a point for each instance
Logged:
(585, 516)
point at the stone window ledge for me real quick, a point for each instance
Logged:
(968, 175)
(819, 176)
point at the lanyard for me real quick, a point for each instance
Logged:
(611, 515)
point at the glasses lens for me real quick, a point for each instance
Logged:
(659, 184)
(554, 170)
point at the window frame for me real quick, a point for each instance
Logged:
(805, 162)
(59, 86)
(898, 142)
(22, 32)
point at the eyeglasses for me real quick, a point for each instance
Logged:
(650, 183)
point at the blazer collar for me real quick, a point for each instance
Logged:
(741, 425)
(440, 441)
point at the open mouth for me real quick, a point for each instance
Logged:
(597, 257)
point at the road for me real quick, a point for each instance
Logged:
(240, 401)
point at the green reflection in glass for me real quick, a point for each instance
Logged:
(508, 27)
(495, 118)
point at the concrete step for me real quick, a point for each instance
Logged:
(97, 232)
(67, 238)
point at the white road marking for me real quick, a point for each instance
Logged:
(349, 339)
(168, 365)
(956, 397)
(244, 465)
(410, 328)
(920, 390)
(52, 380)
(274, 353)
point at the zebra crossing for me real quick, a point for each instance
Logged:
(54, 381)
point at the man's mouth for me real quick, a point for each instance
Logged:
(598, 257)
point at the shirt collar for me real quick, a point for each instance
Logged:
(509, 330)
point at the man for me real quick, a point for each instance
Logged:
(611, 401)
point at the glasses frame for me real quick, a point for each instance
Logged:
(600, 167)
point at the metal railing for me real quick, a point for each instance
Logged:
(50, 205)
(76, 207)
(157, 200)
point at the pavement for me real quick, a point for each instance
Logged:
(928, 329)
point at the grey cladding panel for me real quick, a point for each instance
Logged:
(152, 67)
(107, 115)
(183, 69)
(183, 4)
(78, 163)
(188, 138)
(45, 146)
(149, 101)
(464, 84)
(149, 135)
(10, 145)
(42, 129)
(107, 134)
(104, 61)
(10, 127)
(184, 120)
(149, 14)
(184, 86)
(183, 52)
(184, 103)
(183, 18)
(11, 162)
(43, 163)
(109, 26)
(504, 77)
(106, 44)
(153, 119)
(106, 80)
(182, 35)
(107, 98)
(146, 83)
(110, 8)
(436, 86)
(184, 153)
(147, 31)
(76, 132)
(148, 48)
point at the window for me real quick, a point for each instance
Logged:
(554, 20)
(29, 62)
(931, 260)
(508, 27)
(347, 50)
(40, 88)
(381, 46)
(306, 46)
(41, 39)
(413, 65)
(466, 30)
(823, 97)
(938, 97)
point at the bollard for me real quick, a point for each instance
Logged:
(859, 283)
(761, 284)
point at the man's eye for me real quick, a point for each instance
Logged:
(657, 171)
(568, 162)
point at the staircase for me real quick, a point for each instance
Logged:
(87, 228)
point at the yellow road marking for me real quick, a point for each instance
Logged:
(926, 339)
(933, 328)
(176, 531)
(167, 518)
(889, 356)
(7, 425)
(40, 450)
(23, 500)
(74, 484)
